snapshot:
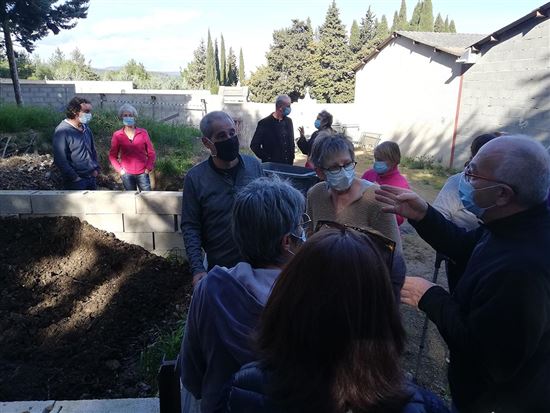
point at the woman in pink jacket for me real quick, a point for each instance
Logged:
(385, 170)
(132, 153)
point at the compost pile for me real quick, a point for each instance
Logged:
(77, 308)
(38, 172)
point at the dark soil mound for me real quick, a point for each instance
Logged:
(77, 307)
(32, 171)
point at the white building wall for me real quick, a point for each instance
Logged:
(409, 93)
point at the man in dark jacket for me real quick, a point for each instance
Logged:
(73, 146)
(273, 140)
(497, 322)
(209, 193)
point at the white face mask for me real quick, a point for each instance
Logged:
(341, 181)
(85, 118)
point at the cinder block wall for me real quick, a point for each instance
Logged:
(148, 219)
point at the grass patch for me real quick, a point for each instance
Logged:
(167, 347)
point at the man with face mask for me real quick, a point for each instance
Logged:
(497, 321)
(208, 194)
(273, 140)
(73, 147)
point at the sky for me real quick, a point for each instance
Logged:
(162, 34)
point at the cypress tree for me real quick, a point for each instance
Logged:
(354, 37)
(217, 61)
(211, 81)
(232, 77)
(223, 65)
(242, 76)
(395, 22)
(439, 25)
(403, 22)
(333, 83)
(426, 23)
(382, 30)
(452, 27)
(415, 18)
(446, 25)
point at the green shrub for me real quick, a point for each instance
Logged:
(14, 119)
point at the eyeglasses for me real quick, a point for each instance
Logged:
(469, 175)
(337, 168)
(305, 224)
(384, 246)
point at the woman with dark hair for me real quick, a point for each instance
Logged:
(331, 336)
(323, 124)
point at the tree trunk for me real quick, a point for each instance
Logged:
(13, 64)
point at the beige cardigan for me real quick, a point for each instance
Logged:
(366, 212)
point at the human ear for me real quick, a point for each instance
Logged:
(320, 174)
(506, 193)
(209, 145)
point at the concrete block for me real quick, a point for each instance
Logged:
(15, 202)
(149, 223)
(159, 202)
(168, 241)
(143, 239)
(58, 202)
(106, 222)
(110, 202)
(145, 405)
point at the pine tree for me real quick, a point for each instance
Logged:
(195, 72)
(211, 81)
(354, 37)
(242, 76)
(367, 30)
(27, 22)
(289, 64)
(414, 24)
(333, 82)
(223, 65)
(446, 25)
(232, 77)
(452, 27)
(439, 25)
(217, 61)
(426, 23)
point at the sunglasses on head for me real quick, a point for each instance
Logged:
(384, 246)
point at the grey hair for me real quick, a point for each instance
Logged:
(328, 145)
(264, 212)
(127, 108)
(206, 122)
(281, 99)
(326, 119)
(525, 166)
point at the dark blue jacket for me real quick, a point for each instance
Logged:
(247, 394)
(497, 322)
(74, 151)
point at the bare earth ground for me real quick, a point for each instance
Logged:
(77, 307)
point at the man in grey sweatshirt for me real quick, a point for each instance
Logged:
(209, 192)
(73, 147)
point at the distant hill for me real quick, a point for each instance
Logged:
(115, 68)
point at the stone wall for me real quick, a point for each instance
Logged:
(508, 87)
(148, 219)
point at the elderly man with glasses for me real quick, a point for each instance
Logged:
(497, 321)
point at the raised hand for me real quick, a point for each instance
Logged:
(301, 131)
(402, 202)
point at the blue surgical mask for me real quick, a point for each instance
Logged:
(380, 167)
(286, 111)
(85, 118)
(341, 181)
(466, 193)
(129, 121)
(317, 123)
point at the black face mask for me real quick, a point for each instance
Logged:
(227, 150)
